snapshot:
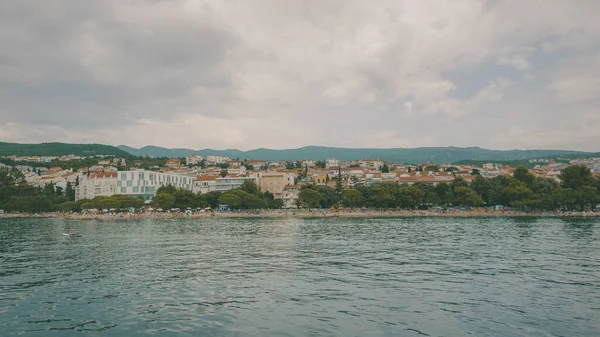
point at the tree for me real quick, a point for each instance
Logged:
(352, 198)
(169, 189)
(522, 174)
(58, 190)
(250, 186)
(409, 169)
(231, 200)
(163, 200)
(409, 196)
(329, 197)
(339, 188)
(517, 193)
(385, 169)
(465, 196)
(432, 168)
(309, 198)
(444, 193)
(320, 164)
(70, 192)
(77, 181)
(576, 177)
(475, 172)
(383, 197)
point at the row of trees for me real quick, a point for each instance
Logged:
(578, 191)
(16, 195)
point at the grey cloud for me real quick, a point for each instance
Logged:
(292, 73)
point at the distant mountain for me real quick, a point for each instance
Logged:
(59, 149)
(437, 155)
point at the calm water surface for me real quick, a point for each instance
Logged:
(320, 277)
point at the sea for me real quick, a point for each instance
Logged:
(301, 277)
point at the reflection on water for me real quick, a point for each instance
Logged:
(294, 277)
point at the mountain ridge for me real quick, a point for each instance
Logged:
(59, 149)
(437, 155)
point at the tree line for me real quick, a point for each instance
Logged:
(577, 191)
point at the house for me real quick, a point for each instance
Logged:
(97, 184)
(193, 159)
(216, 159)
(290, 196)
(204, 184)
(320, 178)
(227, 183)
(273, 182)
(173, 163)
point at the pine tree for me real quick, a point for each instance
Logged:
(70, 192)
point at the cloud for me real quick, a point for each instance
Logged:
(520, 62)
(219, 74)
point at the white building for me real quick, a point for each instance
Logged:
(146, 183)
(230, 183)
(97, 184)
(204, 184)
(215, 159)
(193, 159)
(290, 196)
(329, 162)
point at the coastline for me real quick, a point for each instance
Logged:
(305, 215)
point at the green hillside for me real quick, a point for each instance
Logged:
(59, 149)
(437, 155)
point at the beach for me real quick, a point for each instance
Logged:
(300, 214)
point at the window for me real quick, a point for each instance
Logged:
(123, 189)
(136, 189)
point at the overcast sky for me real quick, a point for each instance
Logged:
(284, 74)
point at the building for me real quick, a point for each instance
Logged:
(290, 196)
(96, 185)
(320, 178)
(193, 159)
(173, 163)
(223, 184)
(204, 184)
(330, 162)
(216, 159)
(273, 182)
(146, 183)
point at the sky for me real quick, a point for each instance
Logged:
(221, 74)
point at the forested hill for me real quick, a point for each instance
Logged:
(59, 149)
(438, 155)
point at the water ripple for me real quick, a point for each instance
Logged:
(299, 277)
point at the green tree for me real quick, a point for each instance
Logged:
(329, 197)
(231, 200)
(58, 190)
(169, 189)
(444, 193)
(385, 169)
(465, 196)
(522, 174)
(163, 200)
(249, 186)
(352, 198)
(576, 177)
(409, 197)
(309, 198)
(70, 192)
(432, 168)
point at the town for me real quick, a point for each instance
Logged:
(143, 177)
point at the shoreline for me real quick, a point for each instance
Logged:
(304, 215)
